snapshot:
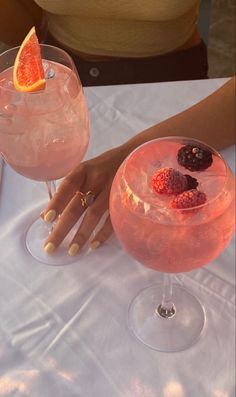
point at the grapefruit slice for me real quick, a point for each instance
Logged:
(28, 73)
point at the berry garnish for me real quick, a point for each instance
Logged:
(192, 183)
(194, 158)
(168, 181)
(189, 199)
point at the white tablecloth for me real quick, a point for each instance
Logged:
(63, 330)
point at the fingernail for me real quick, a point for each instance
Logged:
(49, 248)
(74, 248)
(95, 244)
(50, 216)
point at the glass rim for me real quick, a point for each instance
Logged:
(188, 141)
(40, 92)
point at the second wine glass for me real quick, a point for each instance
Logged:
(172, 232)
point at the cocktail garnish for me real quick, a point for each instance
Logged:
(189, 199)
(28, 73)
(192, 183)
(168, 181)
(194, 158)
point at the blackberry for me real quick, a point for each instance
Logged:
(194, 158)
(192, 183)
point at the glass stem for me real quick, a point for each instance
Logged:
(167, 308)
(51, 188)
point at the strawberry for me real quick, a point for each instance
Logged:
(168, 181)
(189, 199)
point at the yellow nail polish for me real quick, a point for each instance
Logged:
(74, 248)
(95, 244)
(49, 248)
(50, 216)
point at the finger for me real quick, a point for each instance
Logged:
(64, 194)
(91, 219)
(65, 222)
(103, 234)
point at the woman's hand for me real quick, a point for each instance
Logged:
(66, 206)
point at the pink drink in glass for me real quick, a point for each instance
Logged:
(159, 236)
(46, 133)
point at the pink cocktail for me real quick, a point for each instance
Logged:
(167, 237)
(43, 134)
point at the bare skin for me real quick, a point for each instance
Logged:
(212, 120)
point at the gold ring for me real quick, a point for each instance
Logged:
(86, 198)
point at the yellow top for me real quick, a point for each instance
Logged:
(125, 28)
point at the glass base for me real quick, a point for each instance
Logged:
(35, 240)
(173, 334)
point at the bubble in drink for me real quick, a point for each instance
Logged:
(10, 108)
(49, 72)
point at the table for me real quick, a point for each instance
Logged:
(63, 330)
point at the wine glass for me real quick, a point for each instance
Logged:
(43, 134)
(168, 238)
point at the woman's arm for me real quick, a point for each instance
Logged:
(212, 120)
(16, 19)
